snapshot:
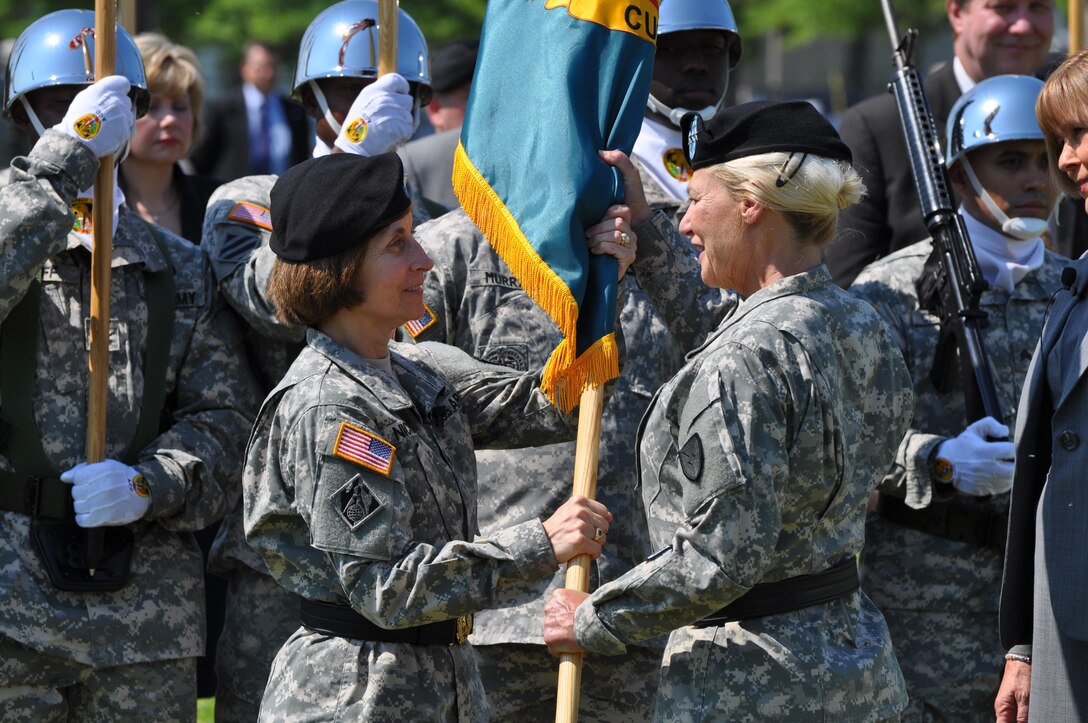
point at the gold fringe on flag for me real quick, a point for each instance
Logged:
(565, 377)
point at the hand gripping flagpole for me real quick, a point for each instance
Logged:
(105, 56)
(586, 457)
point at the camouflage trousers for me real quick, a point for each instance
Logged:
(38, 687)
(260, 616)
(952, 664)
(318, 677)
(521, 679)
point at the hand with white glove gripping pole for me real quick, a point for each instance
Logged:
(979, 461)
(380, 119)
(102, 116)
(107, 493)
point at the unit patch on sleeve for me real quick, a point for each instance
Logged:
(355, 502)
(251, 213)
(416, 327)
(361, 447)
(691, 458)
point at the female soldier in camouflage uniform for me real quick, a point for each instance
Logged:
(360, 479)
(757, 458)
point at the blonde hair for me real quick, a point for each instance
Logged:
(173, 70)
(810, 201)
(1062, 106)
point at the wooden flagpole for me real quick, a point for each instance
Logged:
(1076, 26)
(586, 457)
(387, 36)
(105, 56)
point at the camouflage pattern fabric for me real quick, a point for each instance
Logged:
(478, 305)
(260, 617)
(192, 468)
(940, 596)
(380, 521)
(521, 681)
(756, 462)
(237, 228)
(55, 690)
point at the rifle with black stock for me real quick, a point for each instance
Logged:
(952, 283)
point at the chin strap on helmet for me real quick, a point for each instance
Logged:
(324, 106)
(1021, 227)
(675, 114)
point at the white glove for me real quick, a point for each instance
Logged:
(979, 467)
(107, 493)
(101, 116)
(380, 119)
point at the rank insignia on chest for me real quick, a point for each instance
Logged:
(676, 165)
(361, 447)
(416, 327)
(252, 214)
(691, 458)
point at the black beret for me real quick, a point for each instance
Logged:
(453, 65)
(326, 205)
(761, 126)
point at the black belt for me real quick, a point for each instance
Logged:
(794, 593)
(343, 622)
(957, 518)
(41, 497)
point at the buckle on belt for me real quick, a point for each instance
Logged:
(463, 628)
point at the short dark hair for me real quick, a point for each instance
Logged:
(309, 292)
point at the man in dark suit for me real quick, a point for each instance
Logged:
(988, 39)
(253, 130)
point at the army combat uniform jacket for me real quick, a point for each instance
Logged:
(952, 659)
(192, 467)
(756, 461)
(360, 489)
(477, 305)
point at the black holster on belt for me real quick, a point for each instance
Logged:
(343, 622)
(59, 542)
(793, 593)
(957, 518)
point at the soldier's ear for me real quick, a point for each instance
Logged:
(958, 179)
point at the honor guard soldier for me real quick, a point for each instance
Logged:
(121, 642)
(698, 46)
(934, 549)
(355, 113)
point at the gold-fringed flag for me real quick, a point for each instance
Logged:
(556, 81)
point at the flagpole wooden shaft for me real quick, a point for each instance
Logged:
(1076, 25)
(105, 54)
(387, 36)
(585, 483)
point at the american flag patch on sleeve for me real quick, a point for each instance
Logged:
(361, 447)
(418, 326)
(251, 213)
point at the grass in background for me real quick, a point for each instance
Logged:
(205, 710)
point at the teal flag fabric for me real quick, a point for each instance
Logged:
(556, 81)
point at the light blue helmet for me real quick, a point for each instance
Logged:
(58, 49)
(679, 15)
(682, 15)
(997, 110)
(342, 42)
